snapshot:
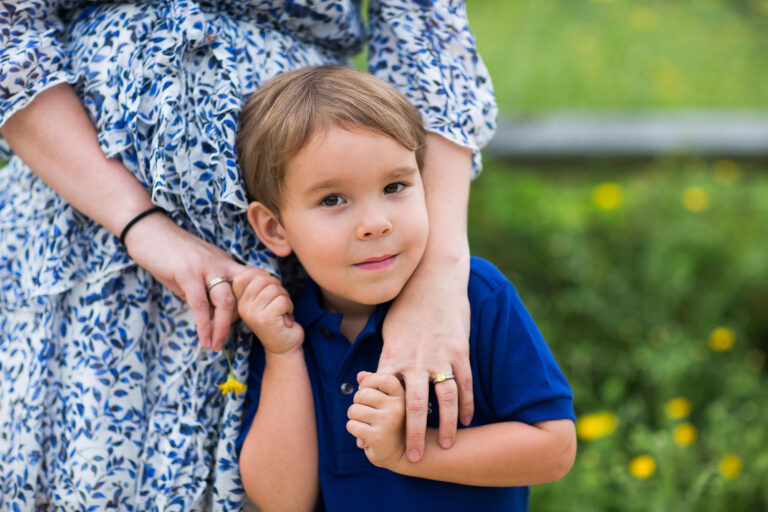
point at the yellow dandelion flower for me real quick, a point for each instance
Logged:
(668, 81)
(642, 466)
(678, 408)
(685, 434)
(731, 465)
(231, 385)
(596, 425)
(726, 172)
(695, 199)
(607, 196)
(721, 339)
(644, 19)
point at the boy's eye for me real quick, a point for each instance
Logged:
(393, 188)
(332, 200)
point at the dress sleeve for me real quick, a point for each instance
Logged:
(426, 50)
(32, 56)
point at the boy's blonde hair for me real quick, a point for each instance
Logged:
(284, 113)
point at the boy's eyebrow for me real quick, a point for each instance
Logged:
(397, 172)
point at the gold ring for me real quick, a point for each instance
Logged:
(214, 282)
(440, 377)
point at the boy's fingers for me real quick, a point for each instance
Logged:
(362, 413)
(242, 279)
(384, 382)
(361, 376)
(359, 429)
(416, 393)
(447, 397)
(370, 396)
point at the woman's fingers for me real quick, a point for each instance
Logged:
(197, 298)
(447, 398)
(224, 311)
(463, 374)
(416, 395)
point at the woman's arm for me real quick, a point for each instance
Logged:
(426, 330)
(55, 138)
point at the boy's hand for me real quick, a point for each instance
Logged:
(264, 305)
(377, 418)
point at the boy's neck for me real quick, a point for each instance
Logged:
(354, 314)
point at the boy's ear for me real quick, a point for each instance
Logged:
(268, 228)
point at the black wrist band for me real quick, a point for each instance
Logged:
(137, 219)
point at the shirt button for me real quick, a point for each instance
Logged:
(346, 388)
(325, 332)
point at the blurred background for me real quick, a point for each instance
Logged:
(647, 275)
(645, 270)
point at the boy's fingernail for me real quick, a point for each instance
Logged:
(445, 442)
(360, 443)
(414, 455)
(466, 420)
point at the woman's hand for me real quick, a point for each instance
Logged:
(185, 264)
(265, 306)
(426, 330)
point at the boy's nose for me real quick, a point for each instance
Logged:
(374, 227)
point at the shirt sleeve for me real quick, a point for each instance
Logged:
(520, 376)
(426, 50)
(32, 56)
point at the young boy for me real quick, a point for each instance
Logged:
(332, 156)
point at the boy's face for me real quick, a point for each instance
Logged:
(354, 213)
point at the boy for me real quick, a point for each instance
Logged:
(332, 157)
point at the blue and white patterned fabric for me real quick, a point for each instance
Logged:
(106, 399)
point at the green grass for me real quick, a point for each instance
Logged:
(617, 54)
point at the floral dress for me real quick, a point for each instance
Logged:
(107, 400)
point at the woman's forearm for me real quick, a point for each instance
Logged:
(54, 136)
(499, 454)
(447, 174)
(279, 458)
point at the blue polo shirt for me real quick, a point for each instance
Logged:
(514, 374)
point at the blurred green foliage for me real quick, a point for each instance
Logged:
(628, 288)
(648, 279)
(621, 54)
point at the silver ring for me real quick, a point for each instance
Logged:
(214, 282)
(442, 377)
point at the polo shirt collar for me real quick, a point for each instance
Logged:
(307, 311)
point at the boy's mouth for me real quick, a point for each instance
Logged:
(377, 262)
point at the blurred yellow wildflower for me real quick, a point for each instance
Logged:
(607, 196)
(731, 465)
(685, 434)
(678, 408)
(695, 199)
(643, 18)
(721, 339)
(642, 466)
(668, 81)
(596, 425)
(231, 385)
(726, 172)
